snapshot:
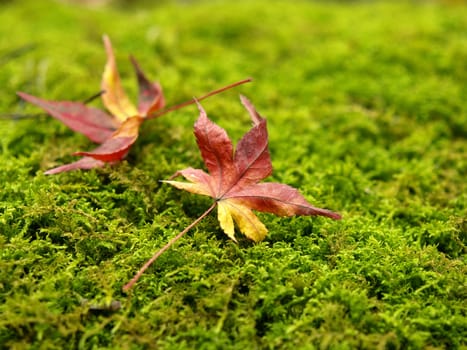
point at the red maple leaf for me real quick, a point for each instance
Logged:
(233, 178)
(115, 132)
(233, 182)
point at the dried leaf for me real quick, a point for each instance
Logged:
(233, 183)
(115, 133)
(233, 178)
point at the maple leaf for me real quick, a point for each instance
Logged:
(115, 132)
(233, 182)
(233, 179)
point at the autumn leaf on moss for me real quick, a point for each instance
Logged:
(117, 130)
(233, 179)
(233, 182)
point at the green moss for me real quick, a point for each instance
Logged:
(366, 105)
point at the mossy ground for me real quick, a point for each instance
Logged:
(367, 112)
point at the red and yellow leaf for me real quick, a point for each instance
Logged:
(115, 133)
(233, 183)
(233, 178)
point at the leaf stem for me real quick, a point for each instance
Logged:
(93, 97)
(195, 99)
(148, 263)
